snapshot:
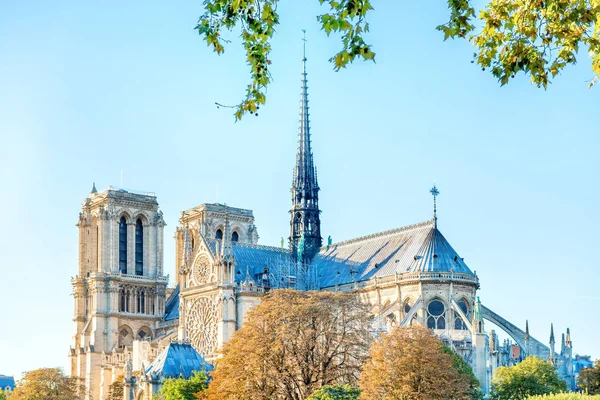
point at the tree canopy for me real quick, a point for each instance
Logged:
(410, 363)
(536, 37)
(532, 376)
(184, 389)
(48, 384)
(339, 392)
(589, 379)
(292, 344)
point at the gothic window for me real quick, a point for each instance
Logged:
(458, 322)
(139, 247)
(123, 245)
(219, 234)
(125, 336)
(144, 333)
(407, 307)
(141, 302)
(435, 315)
(235, 236)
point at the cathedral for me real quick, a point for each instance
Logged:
(129, 324)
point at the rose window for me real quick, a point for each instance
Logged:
(202, 325)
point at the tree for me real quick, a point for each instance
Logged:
(589, 379)
(292, 344)
(184, 389)
(49, 384)
(536, 37)
(339, 392)
(410, 363)
(115, 389)
(466, 371)
(2, 395)
(532, 376)
(565, 396)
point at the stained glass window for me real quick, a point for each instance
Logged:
(139, 248)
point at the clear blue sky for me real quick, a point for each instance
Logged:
(88, 90)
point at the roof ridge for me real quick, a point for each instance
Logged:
(383, 233)
(262, 246)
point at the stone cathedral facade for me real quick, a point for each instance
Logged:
(128, 322)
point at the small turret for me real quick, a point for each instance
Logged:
(552, 342)
(478, 317)
(526, 329)
(568, 341)
(94, 190)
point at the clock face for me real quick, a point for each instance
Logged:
(201, 270)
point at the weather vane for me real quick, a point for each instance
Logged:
(435, 193)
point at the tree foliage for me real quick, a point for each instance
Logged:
(410, 363)
(292, 344)
(339, 392)
(565, 396)
(2, 395)
(184, 389)
(536, 37)
(589, 379)
(532, 376)
(464, 369)
(115, 389)
(49, 384)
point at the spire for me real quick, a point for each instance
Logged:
(552, 341)
(478, 317)
(435, 193)
(226, 249)
(305, 171)
(562, 343)
(305, 220)
(568, 341)
(526, 329)
(94, 190)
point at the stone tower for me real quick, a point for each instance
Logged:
(305, 223)
(119, 291)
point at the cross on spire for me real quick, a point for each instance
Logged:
(435, 193)
(304, 44)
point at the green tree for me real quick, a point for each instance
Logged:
(464, 369)
(532, 376)
(589, 379)
(48, 384)
(339, 392)
(410, 363)
(565, 396)
(535, 37)
(2, 395)
(184, 389)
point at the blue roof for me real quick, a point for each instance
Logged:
(7, 382)
(415, 248)
(177, 360)
(172, 305)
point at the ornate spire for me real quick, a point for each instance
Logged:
(226, 249)
(552, 341)
(435, 193)
(305, 221)
(526, 329)
(94, 190)
(568, 341)
(186, 257)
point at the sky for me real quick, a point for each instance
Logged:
(123, 94)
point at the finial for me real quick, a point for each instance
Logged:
(94, 190)
(435, 193)
(551, 333)
(526, 329)
(304, 44)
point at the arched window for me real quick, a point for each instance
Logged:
(123, 245)
(235, 236)
(458, 322)
(139, 247)
(219, 234)
(435, 315)
(407, 307)
(144, 333)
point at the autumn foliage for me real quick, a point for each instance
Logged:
(292, 344)
(410, 363)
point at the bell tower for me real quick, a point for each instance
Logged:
(119, 290)
(305, 223)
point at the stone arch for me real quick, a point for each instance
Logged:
(142, 216)
(144, 333)
(126, 214)
(125, 336)
(436, 317)
(231, 307)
